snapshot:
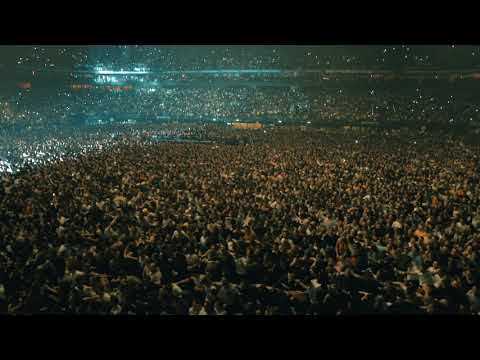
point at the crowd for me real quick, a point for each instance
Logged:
(41, 109)
(27, 149)
(301, 222)
(36, 109)
(241, 57)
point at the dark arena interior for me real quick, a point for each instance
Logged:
(239, 180)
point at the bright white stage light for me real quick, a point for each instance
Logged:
(122, 72)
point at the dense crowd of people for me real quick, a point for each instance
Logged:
(250, 57)
(299, 222)
(297, 105)
(37, 109)
(28, 149)
(127, 185)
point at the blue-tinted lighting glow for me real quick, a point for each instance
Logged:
(111, 72)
